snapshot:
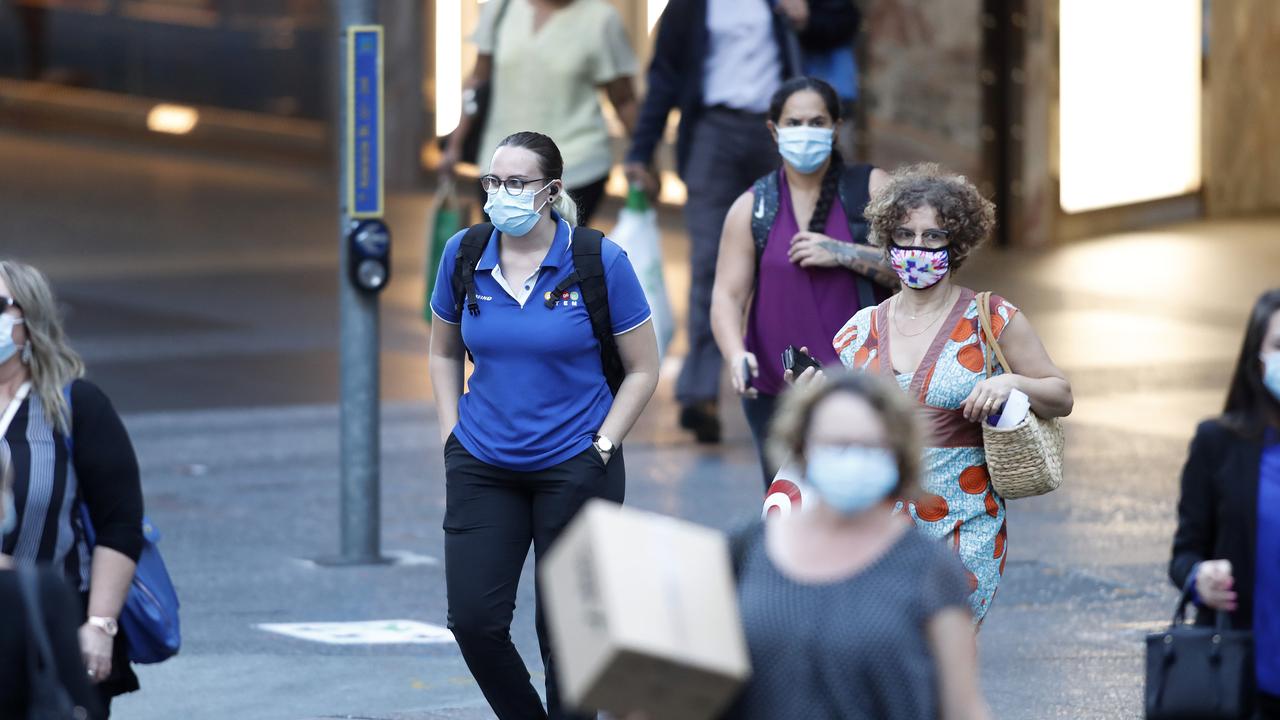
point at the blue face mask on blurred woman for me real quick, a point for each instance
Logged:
(515, 215)
(805, 148)
(8, 348)
(1271, 373)
(852, 479)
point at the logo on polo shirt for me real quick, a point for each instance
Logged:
(485, 297)
(567, 299)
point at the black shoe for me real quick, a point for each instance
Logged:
(703, 420)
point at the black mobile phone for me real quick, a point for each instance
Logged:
(797, 361)
(746, 373)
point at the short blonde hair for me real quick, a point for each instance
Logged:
(790, 429)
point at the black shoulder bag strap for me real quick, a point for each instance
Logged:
(764, 210)
(464, 267)
(48, 697)
(855, 193)
(588, 275)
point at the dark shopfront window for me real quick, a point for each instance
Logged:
(257, 55)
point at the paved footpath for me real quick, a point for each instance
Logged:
(202, 295)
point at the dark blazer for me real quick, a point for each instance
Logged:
(680, 49)
(1218, 513)
(62, 616)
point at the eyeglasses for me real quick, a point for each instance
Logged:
(8, 302)
(906, 237)
(514, 186)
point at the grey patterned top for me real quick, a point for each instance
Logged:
(851, 649)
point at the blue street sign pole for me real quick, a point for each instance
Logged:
(360, 193)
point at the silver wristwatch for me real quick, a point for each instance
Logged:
(604, 445)
(107, 625)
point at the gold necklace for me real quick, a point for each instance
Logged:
(935, 315)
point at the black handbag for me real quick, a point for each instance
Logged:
(47, 698)
(1199, 673)
(482, 99)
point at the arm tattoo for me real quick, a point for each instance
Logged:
(863, 259)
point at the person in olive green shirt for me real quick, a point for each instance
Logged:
(546, 61)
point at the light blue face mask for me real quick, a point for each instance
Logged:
(515, 215)
(8, 348)
(851, 479)
(805, 148)
(10, 515)
(1271, 373)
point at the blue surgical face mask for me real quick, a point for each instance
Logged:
(805, 148)
(515, 215)
(1271, 373)
(851, 479)
(10, 511)
(8, 348)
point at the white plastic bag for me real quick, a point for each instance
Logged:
(637, 233)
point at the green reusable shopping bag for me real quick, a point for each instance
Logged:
(446, 218)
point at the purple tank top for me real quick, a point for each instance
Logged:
(798, 306)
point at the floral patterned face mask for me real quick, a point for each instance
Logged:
(920, 267)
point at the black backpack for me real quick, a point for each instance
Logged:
(588, 275)
(854, 192)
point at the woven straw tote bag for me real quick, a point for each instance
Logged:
(1026, 460)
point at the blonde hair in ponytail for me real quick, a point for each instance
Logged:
(567, 208)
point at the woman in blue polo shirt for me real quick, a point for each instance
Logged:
(538, 432)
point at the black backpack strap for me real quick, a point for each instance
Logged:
(464, 267)
(574, 278)
(764, 210)
(589, 275)
(855, 193)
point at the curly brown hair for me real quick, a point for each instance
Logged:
(962, 211)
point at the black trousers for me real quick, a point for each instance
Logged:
(729, 151)
(759, 411)
(491, 517)
(1268, 707)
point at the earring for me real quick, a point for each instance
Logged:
(26, 353)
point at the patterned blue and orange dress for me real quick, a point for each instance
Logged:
(959, 505)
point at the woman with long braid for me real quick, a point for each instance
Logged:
(794, 286)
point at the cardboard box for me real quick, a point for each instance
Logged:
(643, 615)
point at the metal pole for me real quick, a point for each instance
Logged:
(359, 344)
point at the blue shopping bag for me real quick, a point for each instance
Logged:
(149, 619)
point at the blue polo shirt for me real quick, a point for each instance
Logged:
(537, 394)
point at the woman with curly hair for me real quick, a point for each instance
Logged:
(927, 337)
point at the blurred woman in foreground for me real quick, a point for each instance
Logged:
(849, 611)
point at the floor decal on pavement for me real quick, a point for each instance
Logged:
(372, 632)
